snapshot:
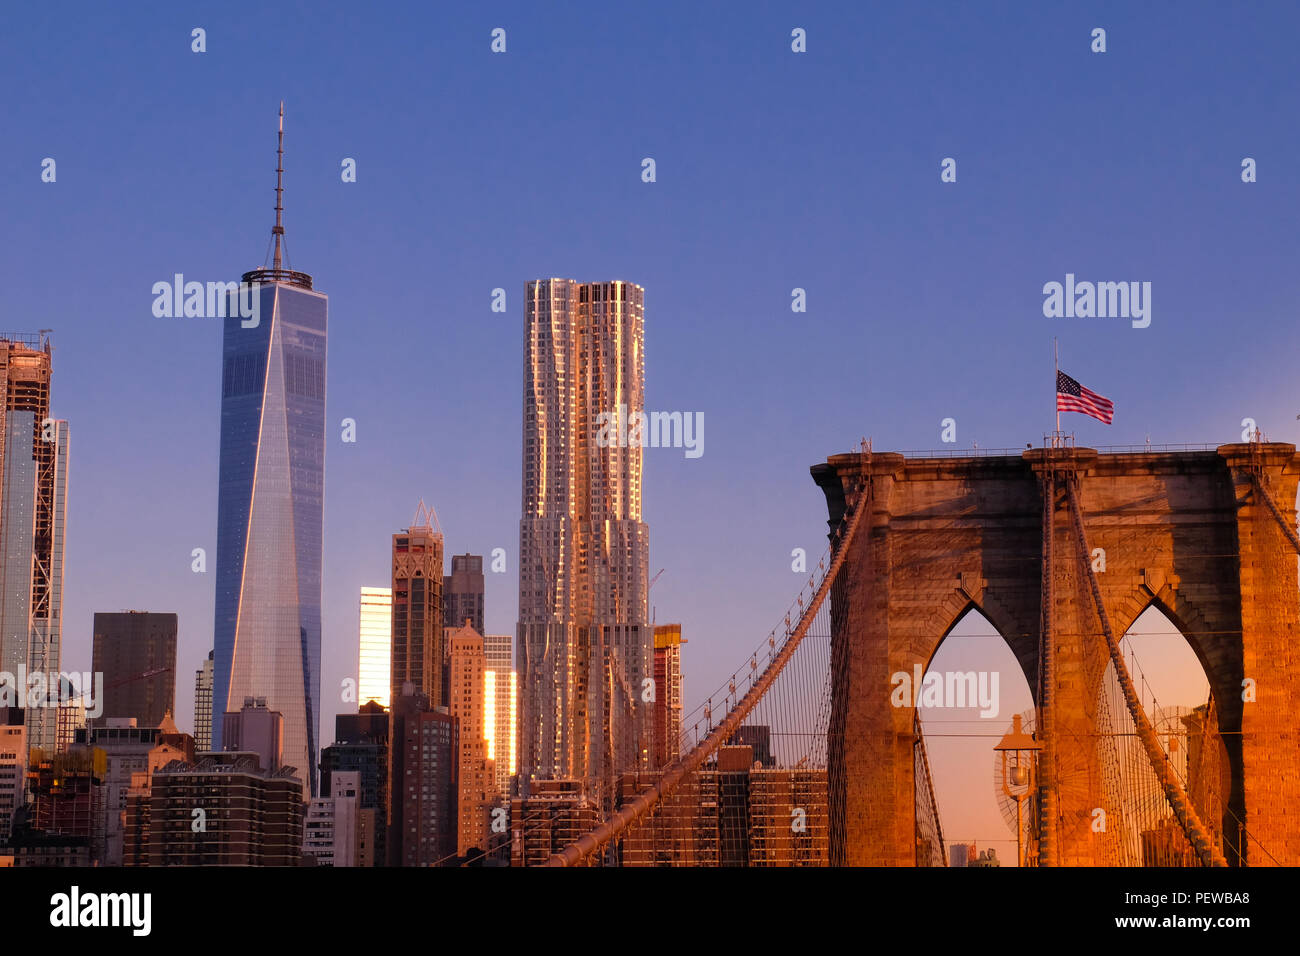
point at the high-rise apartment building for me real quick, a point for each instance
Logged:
(267, 632)
(254, 817)
(462, 592)
(33, 513)
(332, 827)
(469, 703)
(375, 646)
(584, 643)
(418, 655)
(501, 685)
(668, 694)
(203, 706)
(136, 653)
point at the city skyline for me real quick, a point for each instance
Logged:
(897, 302)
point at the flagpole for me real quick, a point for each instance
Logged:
(1056, 386)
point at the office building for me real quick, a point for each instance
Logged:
(136, 653)
(584, 643)
(203, 705)
(33, 516)
(462, 592)
(267, 628)
(422, 782)
(361, 747)
(502, 685)
(375, 646)
(470, 705)
(418, 655)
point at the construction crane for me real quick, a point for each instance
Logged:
(661, 574)
(152, 672)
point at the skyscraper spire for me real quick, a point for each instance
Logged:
(278, 230)
(278, 271)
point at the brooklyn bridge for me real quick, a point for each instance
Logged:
(806, 756)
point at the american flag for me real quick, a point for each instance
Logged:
(1073, 397)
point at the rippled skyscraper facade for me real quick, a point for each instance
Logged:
(267, 636)
(584, 646)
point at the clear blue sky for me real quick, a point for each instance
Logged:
(775, 170)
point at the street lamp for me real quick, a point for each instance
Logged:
(1019, 774)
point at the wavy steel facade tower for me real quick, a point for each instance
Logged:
(271, 486)
(583, 643)
(33, 513)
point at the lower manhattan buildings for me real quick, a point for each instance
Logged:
(375, 645)
(267, 632)
(136, 653)
(584, 645)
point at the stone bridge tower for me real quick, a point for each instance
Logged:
(1184, 531)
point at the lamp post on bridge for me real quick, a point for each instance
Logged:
(1020, 773)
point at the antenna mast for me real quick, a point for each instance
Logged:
(278, 231)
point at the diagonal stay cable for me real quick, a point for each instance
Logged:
(1182, 807)
(591, 842)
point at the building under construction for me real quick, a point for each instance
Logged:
(33, 509)
(735, 812)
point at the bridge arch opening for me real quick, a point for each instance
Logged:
(960, 734)
(1182, 683)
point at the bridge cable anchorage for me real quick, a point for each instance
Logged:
(589, 843)
(1197, 834)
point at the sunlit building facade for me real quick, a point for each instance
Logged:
(500, 685)
(267, 633)
(418, 654)
(469, 704)
(584, 646)
(376, 645)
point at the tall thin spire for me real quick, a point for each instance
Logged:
(278, 271)
(278, 231)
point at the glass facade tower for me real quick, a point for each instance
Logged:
(267, 632)
(268, 628)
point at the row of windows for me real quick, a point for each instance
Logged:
(243, 374)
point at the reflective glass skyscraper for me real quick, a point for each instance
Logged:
(584, 642)
(269, 511)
